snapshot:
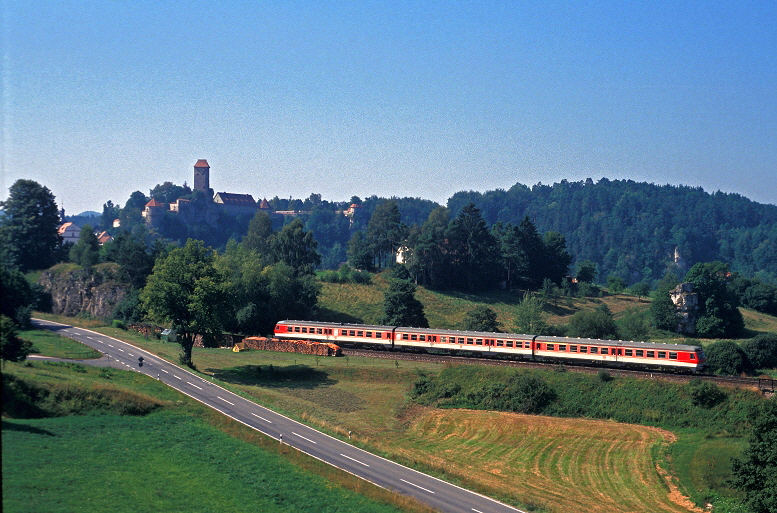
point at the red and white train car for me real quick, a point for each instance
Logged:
(611, 353)
(620, 353)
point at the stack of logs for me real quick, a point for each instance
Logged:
(147, 330)
(292, 346)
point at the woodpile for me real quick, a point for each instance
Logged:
(292, 346)
(147, 330)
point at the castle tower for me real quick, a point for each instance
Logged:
(202, 176)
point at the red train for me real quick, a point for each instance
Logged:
(611, 353)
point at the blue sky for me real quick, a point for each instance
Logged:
(101, 98)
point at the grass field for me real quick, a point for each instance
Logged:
(180, 457)
(50, 344)
(367, 399)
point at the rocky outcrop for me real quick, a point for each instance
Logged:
(686, 301)
(75, 291)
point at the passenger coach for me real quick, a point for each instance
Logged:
(611, 353)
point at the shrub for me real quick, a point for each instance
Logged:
(117, 323)
(705, 394)
(726, 357)
(605, 376)
(762, 351)
(528, 394)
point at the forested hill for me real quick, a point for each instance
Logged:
(631, 229)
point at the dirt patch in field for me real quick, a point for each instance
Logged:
(560, 464)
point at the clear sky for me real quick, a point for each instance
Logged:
(102, 98)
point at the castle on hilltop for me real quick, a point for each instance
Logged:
(209, 210)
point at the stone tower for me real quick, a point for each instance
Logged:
(202, 176)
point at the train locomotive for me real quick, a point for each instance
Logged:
(609, 353)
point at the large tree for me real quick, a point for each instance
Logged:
(12, 348)
(384, 233)
(259, 232)
(296, 247)
(187, 291)
(86, 252)
(473, 252)
(401, 307)
(718, 315)
(29, 237)
(756, 472)
(264, 294)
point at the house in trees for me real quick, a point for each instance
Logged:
(69, 233)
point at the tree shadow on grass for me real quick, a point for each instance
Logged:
(291, 376)
(14, 426)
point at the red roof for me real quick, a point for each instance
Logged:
(264, 205)
(201, 163)
(154, 203)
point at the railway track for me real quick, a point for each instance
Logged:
(766, 385)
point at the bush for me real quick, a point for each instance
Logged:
(762, 351)
(597, 323)
(726, 357)
(605, 376)
(528, 394)
(119, 324)
(705, 394)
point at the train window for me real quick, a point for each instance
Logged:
(528, 344)
(629, 352)
(693, 356)
(573, 349)
(432, 338)
(319, 331)
(404, 336)
(594, 350)
(422, 338)
(500, 343)
(304, 330)
(673, 356)
(651, 354)
(509, 343)
(443, 339)
(359, 333)
(640, 352)
(562, 347)
(413, 337)
(470, 341)
(583, 349)
(296, 329)
(352, 333)
(479, 342)
(461, 340)
(551, 347)
(368, 334)
(662, 354)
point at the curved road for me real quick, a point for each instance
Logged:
(380, 471)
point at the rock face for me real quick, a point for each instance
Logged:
(686, 301)
(94, 292)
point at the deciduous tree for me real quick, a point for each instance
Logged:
(186, 290)
(755, 473)
(86, 252)
(481, 318)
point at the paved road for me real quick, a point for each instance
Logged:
(382, 472)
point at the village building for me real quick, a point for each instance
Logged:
(69, 232)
